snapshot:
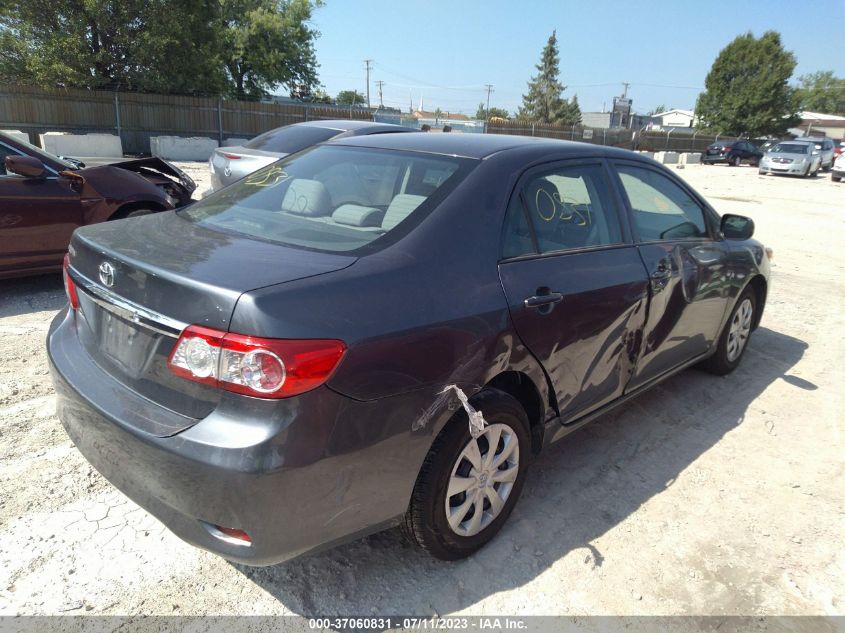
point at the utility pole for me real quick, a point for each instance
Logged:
(487, 112)
(380, 85)
(368, 63)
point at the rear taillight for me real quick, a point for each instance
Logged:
(260, 367)
(70, 286)
(232, 156)
(728, 148)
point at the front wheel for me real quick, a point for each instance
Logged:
(734, 337)
(468, 485)
(736, 161)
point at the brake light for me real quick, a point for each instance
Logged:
(232, 156)
(728, 148)
(260, 367)
(70, 286)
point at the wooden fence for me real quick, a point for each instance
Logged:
(135, 117)
(645, 140)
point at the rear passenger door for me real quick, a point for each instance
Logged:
(686, 265)
(575, 284)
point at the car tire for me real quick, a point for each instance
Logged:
(762, 172)
(835, 178)
(736, 161)
(475, 519)
(131, 213)
(806, 173)
(733, 341)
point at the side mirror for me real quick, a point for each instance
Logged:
(737, 227)
(26, 166)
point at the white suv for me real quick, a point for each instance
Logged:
(825, 147)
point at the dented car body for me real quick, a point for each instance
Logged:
(44, 198)
(557, 278)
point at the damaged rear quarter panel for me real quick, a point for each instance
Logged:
(421, 314)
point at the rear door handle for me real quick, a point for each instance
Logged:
(538, 301)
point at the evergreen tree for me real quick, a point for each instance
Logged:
(544, 102)
(747, 90)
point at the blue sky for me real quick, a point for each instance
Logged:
(445, 51)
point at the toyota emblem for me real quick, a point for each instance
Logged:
(107, 274)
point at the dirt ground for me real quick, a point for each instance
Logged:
(705, 496)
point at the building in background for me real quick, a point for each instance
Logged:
(820, 124)
(673, 120)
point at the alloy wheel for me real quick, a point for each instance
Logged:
(740, 330)
(482, 479)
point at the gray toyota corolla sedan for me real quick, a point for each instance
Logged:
(387, 330)
(231, 163)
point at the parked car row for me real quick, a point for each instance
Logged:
(798, 157)
(386, 329)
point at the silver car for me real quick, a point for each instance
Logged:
(797, 158)
(229, 164)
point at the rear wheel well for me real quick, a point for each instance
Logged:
(758, 285)
(522, 388)
(126, 209)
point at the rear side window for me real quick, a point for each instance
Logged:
(662, 210)
(291, 139)
(332, 198)
(562, 209)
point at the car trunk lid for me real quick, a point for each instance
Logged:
(143, 280)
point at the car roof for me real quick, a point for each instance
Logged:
(479, 146)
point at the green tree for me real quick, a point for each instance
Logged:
(320, 96)
(573, 111)
(821, 91)
(544, 102)
(747, 90)
(437, 114)
(481, 114)
(350, 97)
(266, 44)
(658, 110)
(243, 48)
(156, 45)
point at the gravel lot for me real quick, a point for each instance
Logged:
(705, 496)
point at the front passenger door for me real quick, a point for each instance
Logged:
(686, 266)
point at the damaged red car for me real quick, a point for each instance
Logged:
(44, 198)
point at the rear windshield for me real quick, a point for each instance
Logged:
(790, 148)
(291, 139)
(333, 198)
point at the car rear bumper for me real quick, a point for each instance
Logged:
(715, 158)
(297, 475)
(838, 173)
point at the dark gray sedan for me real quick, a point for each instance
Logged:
(386, 330)
(231, 163)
